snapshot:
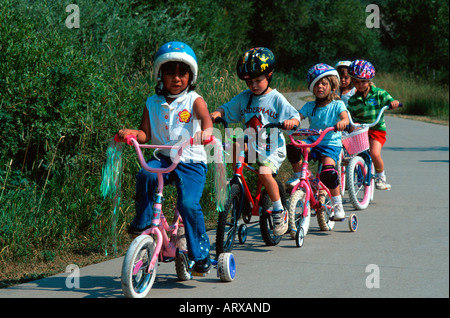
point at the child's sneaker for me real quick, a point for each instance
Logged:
(380, 184)
(280, 222)
(339, 213)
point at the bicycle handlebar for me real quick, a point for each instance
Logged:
(376, 120)
(278, 125)
(132, 141)
(311, 132)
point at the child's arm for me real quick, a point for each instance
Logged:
(342, 124)
(202, 113)
(143, 134)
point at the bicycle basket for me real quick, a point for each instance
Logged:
(357, 141)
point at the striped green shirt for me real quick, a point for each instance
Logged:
(365, 110)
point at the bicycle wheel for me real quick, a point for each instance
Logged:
(358, 193)
(297, 203)
(226, 267)
(136, 280)
(265, 219)
(227, 224)
(324, 213)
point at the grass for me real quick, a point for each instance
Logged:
(420, 98)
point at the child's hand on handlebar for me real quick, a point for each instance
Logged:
(214, 115)
(395, 104)
(124, 132)
(341, 125)
(289, 124)
(201, 136)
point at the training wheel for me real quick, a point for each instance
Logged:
(300, 237)
(353, 222)
(226, 267)
(242, 233)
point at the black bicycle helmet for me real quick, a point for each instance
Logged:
(255, 62)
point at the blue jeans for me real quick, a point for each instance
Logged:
(190, 180)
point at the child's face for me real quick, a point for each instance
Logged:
(258, 84)
(361, 86)
(174, 81)
(322, 88)
(345, 78)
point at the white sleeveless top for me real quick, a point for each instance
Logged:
(175, 123)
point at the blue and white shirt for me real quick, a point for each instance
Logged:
(272, 107)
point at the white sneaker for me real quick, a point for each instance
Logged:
(292, 182)
(280, 222)
(380, 184)
(339, 213)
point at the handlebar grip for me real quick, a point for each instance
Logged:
(219, 120)
(205, 142)
(399, 105)
(127, 139)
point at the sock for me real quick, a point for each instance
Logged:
(277, 205)
(380, 175)
(336, 200)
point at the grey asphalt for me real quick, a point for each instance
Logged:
(401, 248)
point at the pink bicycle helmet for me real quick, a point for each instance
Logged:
(318, 71)
(361, 69)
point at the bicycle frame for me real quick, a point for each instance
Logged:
(305, 172)
(240, 179)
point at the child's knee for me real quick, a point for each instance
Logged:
(329, 177)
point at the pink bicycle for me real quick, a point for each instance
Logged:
(163, 241)
(311, 194)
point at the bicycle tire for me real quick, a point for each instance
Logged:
(340, 167)
(227, 224)
(265, 219)
(358, 193)
(296, 218)
(324, 213)
(136, 282)
(226, 267)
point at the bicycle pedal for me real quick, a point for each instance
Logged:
(200, 274)
(340, 220)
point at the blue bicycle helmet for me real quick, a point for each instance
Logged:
(175, 52)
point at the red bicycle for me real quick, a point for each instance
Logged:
(241, 202)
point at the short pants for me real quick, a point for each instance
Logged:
(378, 135)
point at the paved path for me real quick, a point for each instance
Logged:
(401, 248)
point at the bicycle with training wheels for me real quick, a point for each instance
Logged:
(242, 203)
(310, 197)
(163, 241)
(359, 170)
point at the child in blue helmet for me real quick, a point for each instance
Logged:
(326, 111)
(174, 113)
(258, 106)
